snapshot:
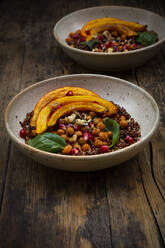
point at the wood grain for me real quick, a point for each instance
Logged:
(42, 207)
(10, 74)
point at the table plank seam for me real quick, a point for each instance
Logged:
(22, 67)
(161, 240)
(152, 171)
(5, 176)
(9, 146)
(110, 226)
(151, 150)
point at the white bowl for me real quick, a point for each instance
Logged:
(137, 102)
(114, 61)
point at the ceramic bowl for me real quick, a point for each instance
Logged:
(114, 61)
(137, 102)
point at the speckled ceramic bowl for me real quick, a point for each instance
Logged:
(115, 61)
(137, 102)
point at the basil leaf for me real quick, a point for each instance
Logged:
(114, 127)
(91, 43)
(49, 142)
(147, 38)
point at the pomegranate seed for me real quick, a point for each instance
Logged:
(69, 93)
(85, 135)
(100, 37)
(69, 125)
(109, 44)
(101, 46)
(76, 127)
(116, 49)
(133, 45)
(22, 133)
(82, 39)
(90, 137)
(58, 107)
(87, 32)
(75, 151)
(125, 46)
(104, 148)
(61, 126)
(91, 124)
(129, 139)
(75, 36)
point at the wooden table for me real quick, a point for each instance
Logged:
(43, 207)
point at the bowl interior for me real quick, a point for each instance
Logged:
(76, 20)
(135, 100)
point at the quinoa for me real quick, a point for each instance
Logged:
(108, 41)
(131, 130)
(26, 126)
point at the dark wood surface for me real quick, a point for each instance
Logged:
(43, 207)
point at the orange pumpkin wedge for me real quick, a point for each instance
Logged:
(66, 109)
(112, 27)
(54, 94)
(108, 21)
(45, 112)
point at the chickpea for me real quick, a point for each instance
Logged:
(67, 149)
(92, 114)
(60, 131)
(114, 34)
(96, 120)
(88, 117)
(78, 133)
(96, 137)
(100, 125)
(109, 134)
(71, 34)
(70, 131)
(123, 36)
(98, 143)
(86, 147)
(122, 117)
(103, 136)
(65, 137)
(69, 39)
(73, 139)
(81, 141)
(123, 122)
(78, 31)
(77, 146)
(95, 131)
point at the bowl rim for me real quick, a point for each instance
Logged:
(65, 45)
(83, 157)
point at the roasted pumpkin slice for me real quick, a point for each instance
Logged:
(54, 94)
(66, 109)
(108, 21)
(112, 27)
(45, 112)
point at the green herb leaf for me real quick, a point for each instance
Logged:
(49, 142)
(114, 127)
(147, 38)
(91, 43)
